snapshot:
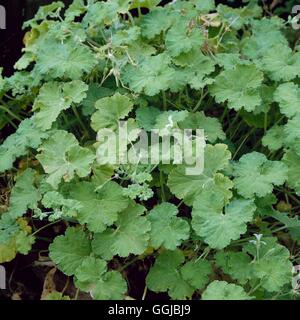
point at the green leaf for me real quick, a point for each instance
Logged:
(168, 120)
(274, 138)
(131, 235)
(76, 9)
(292, 131)
(62, 207)
(218, 229)
(288, 222)
(123, 37)
(55, 97)
(45, 11)
(8, 227)
(288, 97)
(24, 242)
(167, 229)
(95, 93)
(16, 145)
(7, 251)
(101, 174)
(146, 117)
(211, 126)
(25, 195)
(55, 296)
(221, 290)
(149, 4)
(235, 264)
(100, 208)
(150, 76)
(292, 160)
(180, 39)
(92, 276)
(230, 60)
(204, 5)
(196, 273)
(62, 157)
(2, 81)
(284, 66)
(257, 44)
(14, 237)
(69, 59)
(155, 22)
(111, 287)
(165, 276)
(110, 110)
(240, 87)
(195, 67)
(256, 175)
(90, 270)
(236, 18)
(101, 13)
(67, 251)
(272, 267)
(216, 158)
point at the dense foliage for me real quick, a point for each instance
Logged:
(231, 232)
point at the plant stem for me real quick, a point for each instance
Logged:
(80, 121)
(10, 113)
(145, 293)
(200, 101)
(44, 227)
(265, 122)
(164, 100)
(243, 142)
(163, 195)
(76, 295)
(224, 114)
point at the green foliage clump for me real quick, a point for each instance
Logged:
(188, 65)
